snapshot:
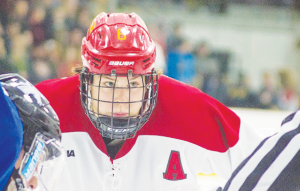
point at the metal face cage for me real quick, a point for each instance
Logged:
(118, 105)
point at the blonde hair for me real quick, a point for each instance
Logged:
(76, 70)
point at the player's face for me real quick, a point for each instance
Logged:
(120, 95)
(32, 183)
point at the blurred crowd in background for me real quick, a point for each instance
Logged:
(207, 69)
(42, 39)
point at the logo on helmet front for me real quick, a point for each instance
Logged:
(117, 130)
(121, 63)
(122, 33)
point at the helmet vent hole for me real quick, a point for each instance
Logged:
(96, 59)
(146, 60)
(99, 35)
(95, 64)
(146, 65)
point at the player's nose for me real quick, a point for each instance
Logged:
(121, 95)
(33, 183)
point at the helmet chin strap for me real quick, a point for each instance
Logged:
(120, 127)
(17, 182)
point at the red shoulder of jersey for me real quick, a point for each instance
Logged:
(184, 112)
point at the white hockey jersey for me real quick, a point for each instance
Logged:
(188, 133)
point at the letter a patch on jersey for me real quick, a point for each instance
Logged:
(174, 169)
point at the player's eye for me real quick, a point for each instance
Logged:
(133, 84)
(109, 84)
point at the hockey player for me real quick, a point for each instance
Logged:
(127, 127)
(274, 164)
(31, 154)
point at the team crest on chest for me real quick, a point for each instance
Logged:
(174, 169)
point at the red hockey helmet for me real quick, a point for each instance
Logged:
(118, 45)
(120, 42)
